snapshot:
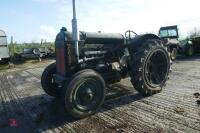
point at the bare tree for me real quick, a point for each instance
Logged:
(194, 33)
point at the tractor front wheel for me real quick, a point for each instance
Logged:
(48, 84)
(84, 94)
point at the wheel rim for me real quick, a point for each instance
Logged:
(87, 95)
(156, 68)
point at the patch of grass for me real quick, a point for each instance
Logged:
(18, 64)
(3, 66)
(17, 48)
(10, 65)
(32, 61)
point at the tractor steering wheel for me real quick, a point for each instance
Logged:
(129, 34)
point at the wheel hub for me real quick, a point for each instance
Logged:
(87, 96)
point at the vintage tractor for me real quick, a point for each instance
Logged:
(196, 44)
(190, 46)
(86, 62)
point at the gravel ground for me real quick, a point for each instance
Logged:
(24, 107)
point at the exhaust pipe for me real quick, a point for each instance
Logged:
(75, 33)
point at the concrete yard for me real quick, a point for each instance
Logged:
(25, 108)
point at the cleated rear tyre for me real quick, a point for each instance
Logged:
(149, 67)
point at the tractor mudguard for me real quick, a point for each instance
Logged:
(136, 42)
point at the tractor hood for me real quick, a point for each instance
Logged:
(98, 37)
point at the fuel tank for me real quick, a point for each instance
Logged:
(99, 38)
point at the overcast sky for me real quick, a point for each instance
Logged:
(33, 20)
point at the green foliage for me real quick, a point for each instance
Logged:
(17, 48)
(3, 66)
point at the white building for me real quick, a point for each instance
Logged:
(4, 50)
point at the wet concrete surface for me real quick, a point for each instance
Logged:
(24, 107)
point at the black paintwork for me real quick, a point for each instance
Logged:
(98, 51)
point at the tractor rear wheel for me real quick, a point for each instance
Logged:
(84, 94)
(48, 84)
(150, 67)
